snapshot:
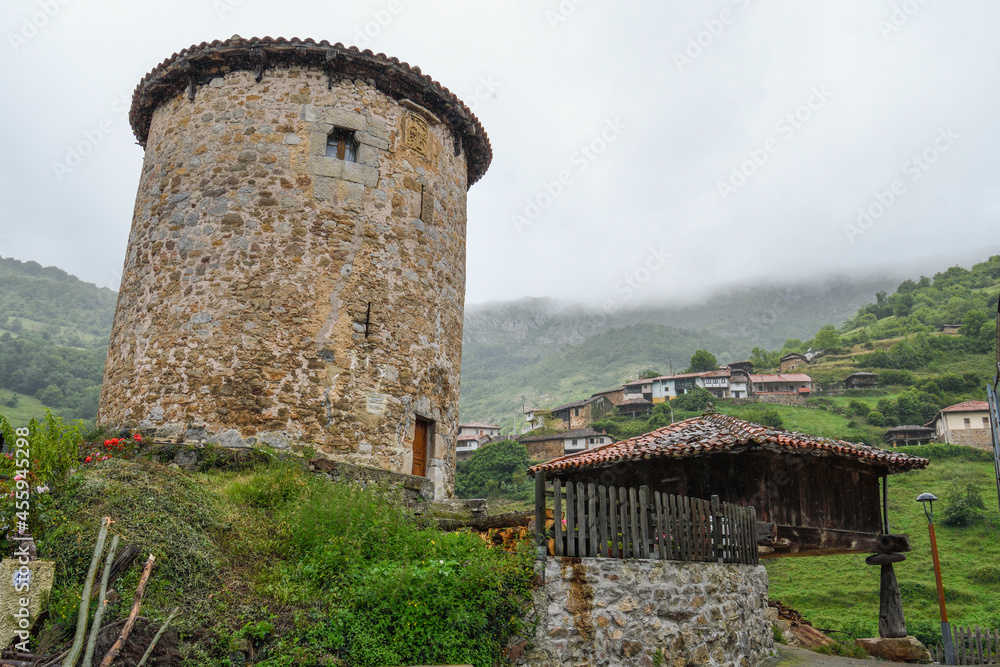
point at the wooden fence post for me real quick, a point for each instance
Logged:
(644, 521)
(717, 548)
(557, 516)
(540, 540)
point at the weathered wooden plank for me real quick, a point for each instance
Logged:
(717, 547)
(633, 507)
(675, 540)
(613, 514)
(753, 535)
(979, 646)
(570, 519)
(687, 537)
(644, 521)
(593, 546)
(602, 520)
(732, 533)
(540, 509)
(661, 527)
(581, 519)
(746, 537)
(623, 518)
(808, 541)
(557, 517)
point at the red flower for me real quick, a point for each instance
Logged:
(114, 441)
(88, 459)
(107, 443)
(137, 437)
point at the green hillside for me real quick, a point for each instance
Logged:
(576, 371)
(54, 331)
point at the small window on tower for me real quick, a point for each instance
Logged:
(342, 145)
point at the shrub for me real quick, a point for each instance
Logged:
(694, 401)
(964, 506)
(857, 408)
(892, 376)
(875, 418)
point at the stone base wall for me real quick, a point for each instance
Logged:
(781, 399)
(980, 438)
(604, 612)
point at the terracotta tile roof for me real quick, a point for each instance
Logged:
(477, 425)
(968, 406)
(781, 377)
(712, 433)
(205, 61)
(466, 438)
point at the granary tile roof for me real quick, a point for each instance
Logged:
(968, 406)
(712, 433)
(201, 63)
(635, 401)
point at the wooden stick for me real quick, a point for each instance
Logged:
(81, 622)
(88, 657)
(116, 648)
(152, 644)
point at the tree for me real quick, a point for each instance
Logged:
(492, 469)
(827, 338)
(761, 358)
(701, 361)
(649, 373)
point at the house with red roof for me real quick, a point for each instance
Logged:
(966, 423)
(782, 383)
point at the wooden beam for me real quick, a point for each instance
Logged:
(808, 541)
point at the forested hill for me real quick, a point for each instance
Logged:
(54, 331)
(542, 352)
(50, 296)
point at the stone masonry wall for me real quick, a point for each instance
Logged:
(980, 438)
(253, 258)
(604, 612)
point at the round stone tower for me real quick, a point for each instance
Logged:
(295, 271)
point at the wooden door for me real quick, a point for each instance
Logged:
(421, 435)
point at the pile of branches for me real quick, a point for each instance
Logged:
(75, 656)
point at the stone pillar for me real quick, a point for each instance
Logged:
(891, 623)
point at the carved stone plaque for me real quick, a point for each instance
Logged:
(416, 135)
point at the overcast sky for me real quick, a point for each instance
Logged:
(642, 150)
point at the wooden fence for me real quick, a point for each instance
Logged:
(972, 647)
(588, 520)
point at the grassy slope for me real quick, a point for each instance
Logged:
(27, 408)
(841, 591)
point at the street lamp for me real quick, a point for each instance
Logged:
(949, 650)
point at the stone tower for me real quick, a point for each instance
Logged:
(296, 266)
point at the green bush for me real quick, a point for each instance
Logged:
(857, 408)
(504, 463)
(387, 592)
(694, 401)
(964, 506)
(875, 418)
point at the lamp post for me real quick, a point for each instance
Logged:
(949, 650)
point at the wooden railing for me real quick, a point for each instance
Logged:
(972, 647)
(588, 520)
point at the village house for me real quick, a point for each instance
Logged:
(790, 362)
(861, 380)
(467, 444)
(951, 328)
(479, 429)
(783, 383)
(616, 395)
(722, 383)
(966, 423)
(581, 414)
(545, 447)
(746, 366)
(635, 407)
(910, 434)
(638, 389)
